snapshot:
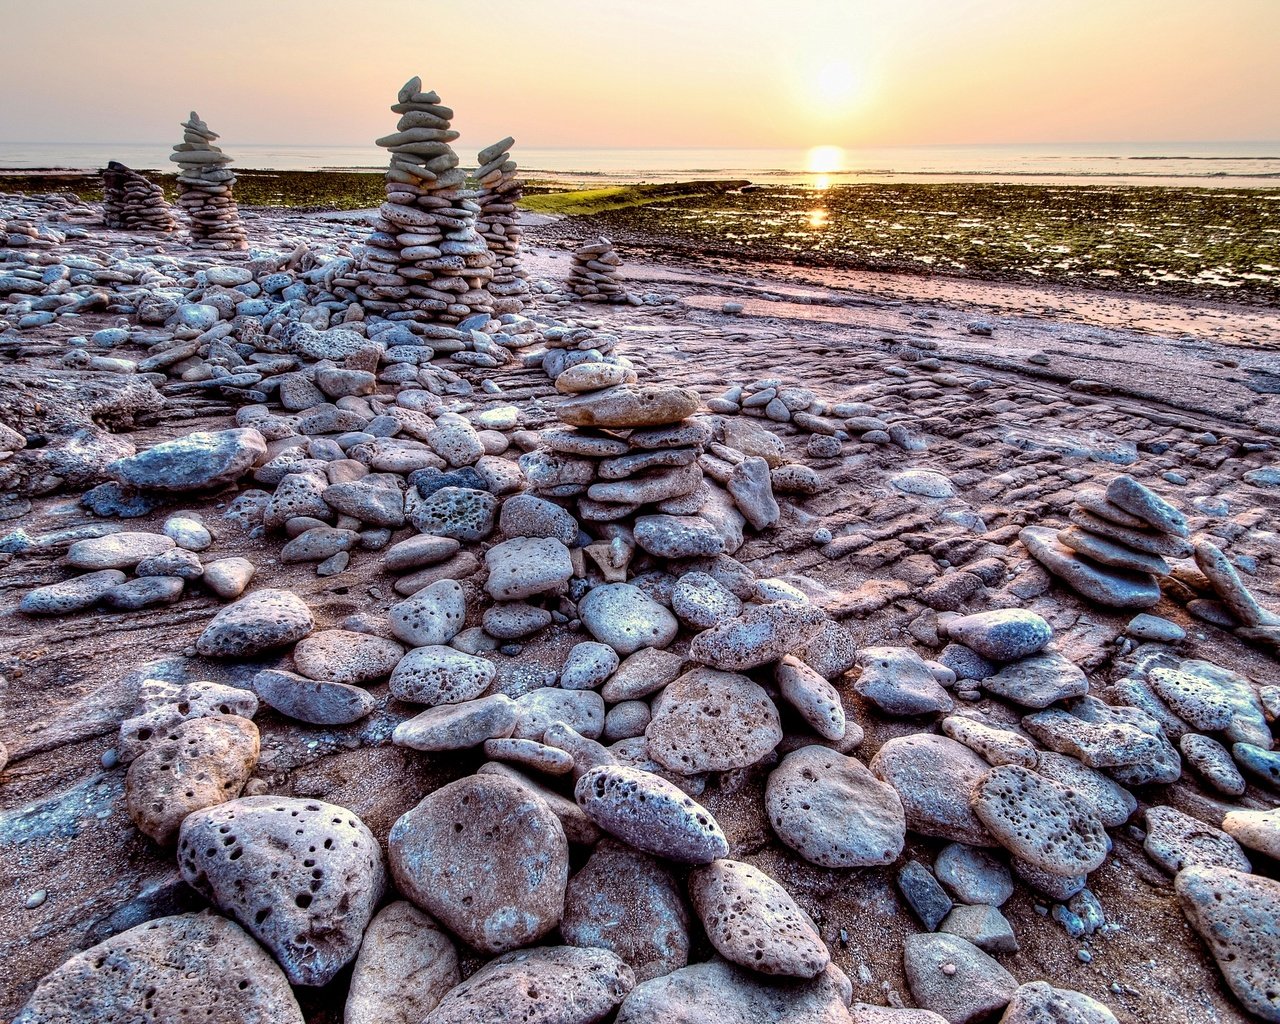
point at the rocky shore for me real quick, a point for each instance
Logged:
(687, 644)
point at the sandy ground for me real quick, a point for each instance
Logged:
(1181, 387)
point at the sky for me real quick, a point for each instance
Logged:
(652, 73)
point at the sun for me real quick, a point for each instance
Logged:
(824, 160)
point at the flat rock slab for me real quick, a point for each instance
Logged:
(406, 965)
(833, 811)
(652, 405)
(194, 462)
(934, 777)
(156, 972)
(485, 857)
(1038, 681)
(314, 701)
(1238, 917)
(1115, 588)
(565, 984)
(712, 721)
(628, 903)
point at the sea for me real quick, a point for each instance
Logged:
(1188, 164)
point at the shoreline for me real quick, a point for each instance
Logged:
(1143, 240)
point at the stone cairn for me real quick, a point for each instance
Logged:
(204, 188)
(500, 191)
(134, 202)
(1114, 551)
(424, 261)
(594, 274)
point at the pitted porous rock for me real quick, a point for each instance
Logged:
(158, 971)
(346, 657)
(1038, 1002)
(718, 992)
(954, 978)
(406, 965)
(1176, 841)
(540, 708)
(626, 618)
(817, 701)
(1098, 745)
(995, 745)
(753, 921)
(832, 811)
(588, 665)
(651, 814)
(763, 633)
(459, 726)
(200, 763)
(1006, 634)
(1212, 762)
(628, 903)
(525, 566)
(934, 777)
(302, 876)
(1238, 917)
(117, 550)
(463, 513)
(264, 620)
(700, 601)
(526, 515)
(1214, 699)
(1045, 824)
(1113, 803)
(434, 615)
(487, 858)
(438, 674)
(712, 721)
(162, 705)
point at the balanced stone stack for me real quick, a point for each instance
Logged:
(204, 188)
(424, 261)
(1114, 551)
(594, 274)
(134, 202)
(500, 191)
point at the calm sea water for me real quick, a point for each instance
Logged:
(1235, 165)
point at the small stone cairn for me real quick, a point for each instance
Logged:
(1114, 551)
(500, 191)
(204, 188)
(134, 202)
(425, 261)
(594, 274)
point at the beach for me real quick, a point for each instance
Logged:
(1017, 394)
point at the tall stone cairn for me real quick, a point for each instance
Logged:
(425, 262)
(500, 191)
(593, 274)
(204, 188)
(134, 202)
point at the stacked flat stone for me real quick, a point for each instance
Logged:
(204, 188)
(594, 273)
(500, 191)
(134, 202)
(425, 261)
(1114, 551)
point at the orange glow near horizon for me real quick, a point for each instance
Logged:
(662, 74)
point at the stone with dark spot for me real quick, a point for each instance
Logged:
(302, 876)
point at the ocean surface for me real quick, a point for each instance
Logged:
(1232, 165)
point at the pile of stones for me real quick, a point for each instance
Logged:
(593, 274)
(498, 223)
(205, 184)
(1114, 551)
(133, 202)
(425, 263)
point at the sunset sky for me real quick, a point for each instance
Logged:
(669, 73)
